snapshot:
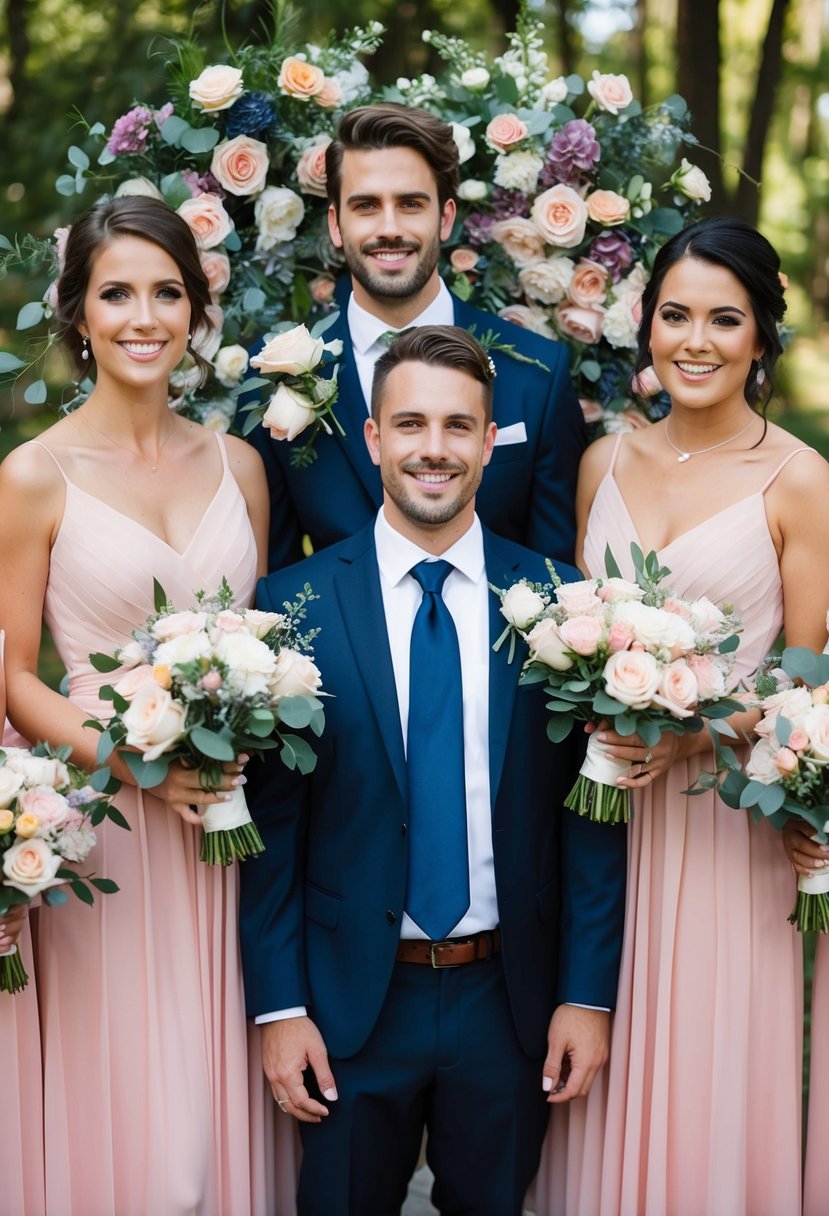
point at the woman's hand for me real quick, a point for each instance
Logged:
(650, 762)
(11, 926)
(182, 789)
(806, 855)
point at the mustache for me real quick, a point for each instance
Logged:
(421, 466)
(395, 244)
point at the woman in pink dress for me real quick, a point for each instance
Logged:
(150, 1106)
(699, 1110)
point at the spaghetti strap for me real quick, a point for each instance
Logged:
(38, 444)
(782, 466)
(223, 451)
(614, 454)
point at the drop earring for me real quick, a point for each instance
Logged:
(760, 374)
(85, 349)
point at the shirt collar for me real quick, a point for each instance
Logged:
(396, 554)
(366, 329)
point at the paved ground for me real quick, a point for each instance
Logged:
(417, 1203)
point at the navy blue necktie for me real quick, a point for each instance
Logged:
(438, 877)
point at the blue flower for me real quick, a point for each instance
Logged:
(250, 115)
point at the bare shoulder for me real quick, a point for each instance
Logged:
(804, 472)
(597, 456)
(30, 470)
(242, 456)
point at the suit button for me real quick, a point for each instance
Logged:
(403, 829)
(390, 917)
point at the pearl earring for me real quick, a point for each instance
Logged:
(85, 350)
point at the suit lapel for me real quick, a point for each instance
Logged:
(352, 410)
(357, 584)
(501, 567)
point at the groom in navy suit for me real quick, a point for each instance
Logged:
(392, 175)
(430, 939)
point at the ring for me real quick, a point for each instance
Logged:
(648, 758)
(282, 1103)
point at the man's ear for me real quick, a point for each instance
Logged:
(371, 431)
(447, 218)
(334, 227)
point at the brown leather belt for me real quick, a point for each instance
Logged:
(451, 953)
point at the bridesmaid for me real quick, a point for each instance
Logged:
(700, 1108)
(147, 1107)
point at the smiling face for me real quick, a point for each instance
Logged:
(136, 313)
(431, 442)
(389, 225)
(703, 336)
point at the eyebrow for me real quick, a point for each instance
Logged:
(124, 283)
(458, 417)
(409, 194)
(713, 311)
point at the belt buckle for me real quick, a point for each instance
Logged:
(436, 965)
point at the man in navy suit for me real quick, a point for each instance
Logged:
(392, 176)
(372, 1029)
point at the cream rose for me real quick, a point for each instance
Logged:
(816, 724)
(588, 284)
(141, 186)
(475, 78)
(310, 171)
(761, 766)
(251, 663)
(654, 628)
(546, 646)
(10, 783)
(526, 317)
(472, 190)
(288, 413)
(175, 624)
(186, 648)
(230, 365)
(132, 654)
(278, 212)
(583, 324)
(678, 691)
(207, 337)
(6, 821)
(560, 215)
(547, 280)
(607, 207)
(553, 93)
(240, 165)
(217, 87)
(463, 142)
(131, 681)
(261, 623)
(30, 866)
(632, 677)
(296, 675)
(582, 634)
(292, 352)
(505, 131)
(300, 79)
(330, 95)
(38, 770)
(610, 93)
(579, 599)
(521, 605)
(207, 219)
(521, 240)
(216, 266)
(154, 721)
(691, 181)
(614, 590)
(792, 703)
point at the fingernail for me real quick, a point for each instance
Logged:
(546, 1084)
(243, 759)
(824, 848)
(330, 1095)
(602, 737)
(242, 780)
(226, 795)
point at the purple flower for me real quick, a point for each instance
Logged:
(81, 797)
(202, 183)
(251, 114)
(477, 227)
(161, 116)
(509, 203)
(573, 153)
(130, 131)
(612, 251)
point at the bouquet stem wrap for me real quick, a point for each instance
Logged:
(229, 832)
(13, 977)
(596, 793)
(811, 909)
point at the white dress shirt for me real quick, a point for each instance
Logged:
(367, 333)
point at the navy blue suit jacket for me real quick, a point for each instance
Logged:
(320, 910)
(528, 491)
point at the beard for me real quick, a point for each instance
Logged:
(431, 512)
(394, 285)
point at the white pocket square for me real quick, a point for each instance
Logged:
(516, 432)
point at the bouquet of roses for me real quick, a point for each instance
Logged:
(302, 398)
(632, 654)
(205, 684)
(787, 774)
(48, 812)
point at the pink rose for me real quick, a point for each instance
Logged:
(175, 624)
(463, 259)
(619, 637)
(607, 207)
(612, 590)
(330, 94)
(46, 804)
(588, 285)
(207, 219)
(30, 866)
(646, 383)
(583, 324)
(525, 317)
(505, 131)
(240, 165)
(632, 677)
(520, 238)
(610, 93)
(709, 675)
(677, 607)
(131, 681)
(154, 721)
(216, 266)
(591, 410)
(322, 289)
(798, 740)
(678, 691)
(786, 762)
(560, 215)
(212, 681)
(547, 647)
(300, 79)
(310, 169)
(229, 621)
(579, 599)
(61, 236)
(581, 634)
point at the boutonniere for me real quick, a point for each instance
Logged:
(303, 398)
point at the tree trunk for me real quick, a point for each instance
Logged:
(17, 23)
(747, 201)
(564, 34)
(698, 80)
(639, 54)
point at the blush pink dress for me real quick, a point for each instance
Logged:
(153, 1105)
(698, 1110)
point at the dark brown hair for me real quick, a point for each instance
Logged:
(439, 346)
(394, 126)
(133, 215)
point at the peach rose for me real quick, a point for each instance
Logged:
(582, 634)
(560, 215)
(30, 866)
(786, 762)
(798, 740)
(322, 289)
(131, 681)
(216, 88)
(607, 207)
(505, 131)
(300, 79)
(216, 266)
(310, 168)
(588, 284)
(26, 825)
(610, 93)
(632, 677)
(154, 721)
(583, 324)
(547, 647)
(207, 219)
(296, 675)
(288, 414)
(330, 94)
(463, 259)
(240, 165)
(678, 691)
(709, 676)
(520, 238)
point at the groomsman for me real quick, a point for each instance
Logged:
(392, 176)
(430, 939)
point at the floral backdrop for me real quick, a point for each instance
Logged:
(568, 188)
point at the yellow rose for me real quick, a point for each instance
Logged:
(27, 824)
(162, 676)
(6, 821)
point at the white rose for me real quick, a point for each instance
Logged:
(518, 171)
(131, 655)
(619, 326)
(10, 783)
(230, 364)
(278, 212)
(77, 844)
(216, 88)
(251, 663)
(761, 766)
(654, 628)
(613, 590)
(290, 353)
(296, 675)
(181, 650)
(207, 337)
(175, 624)
(154, 721)
(288, 414)
(553, 93)
(475, 78)
(261, 623)
(816, 724)
(464, 141)
(632, 677)
(472, 190)
(691, 181)
(30, 866)
(38, 770)
(547, 647)
(139, 186)
(547, 281)
(792, 703)
(706, 616)
(521, 605)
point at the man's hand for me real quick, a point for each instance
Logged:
(288, 1048)
(577, 1046)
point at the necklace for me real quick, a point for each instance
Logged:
(683, 456)
(153, 467)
